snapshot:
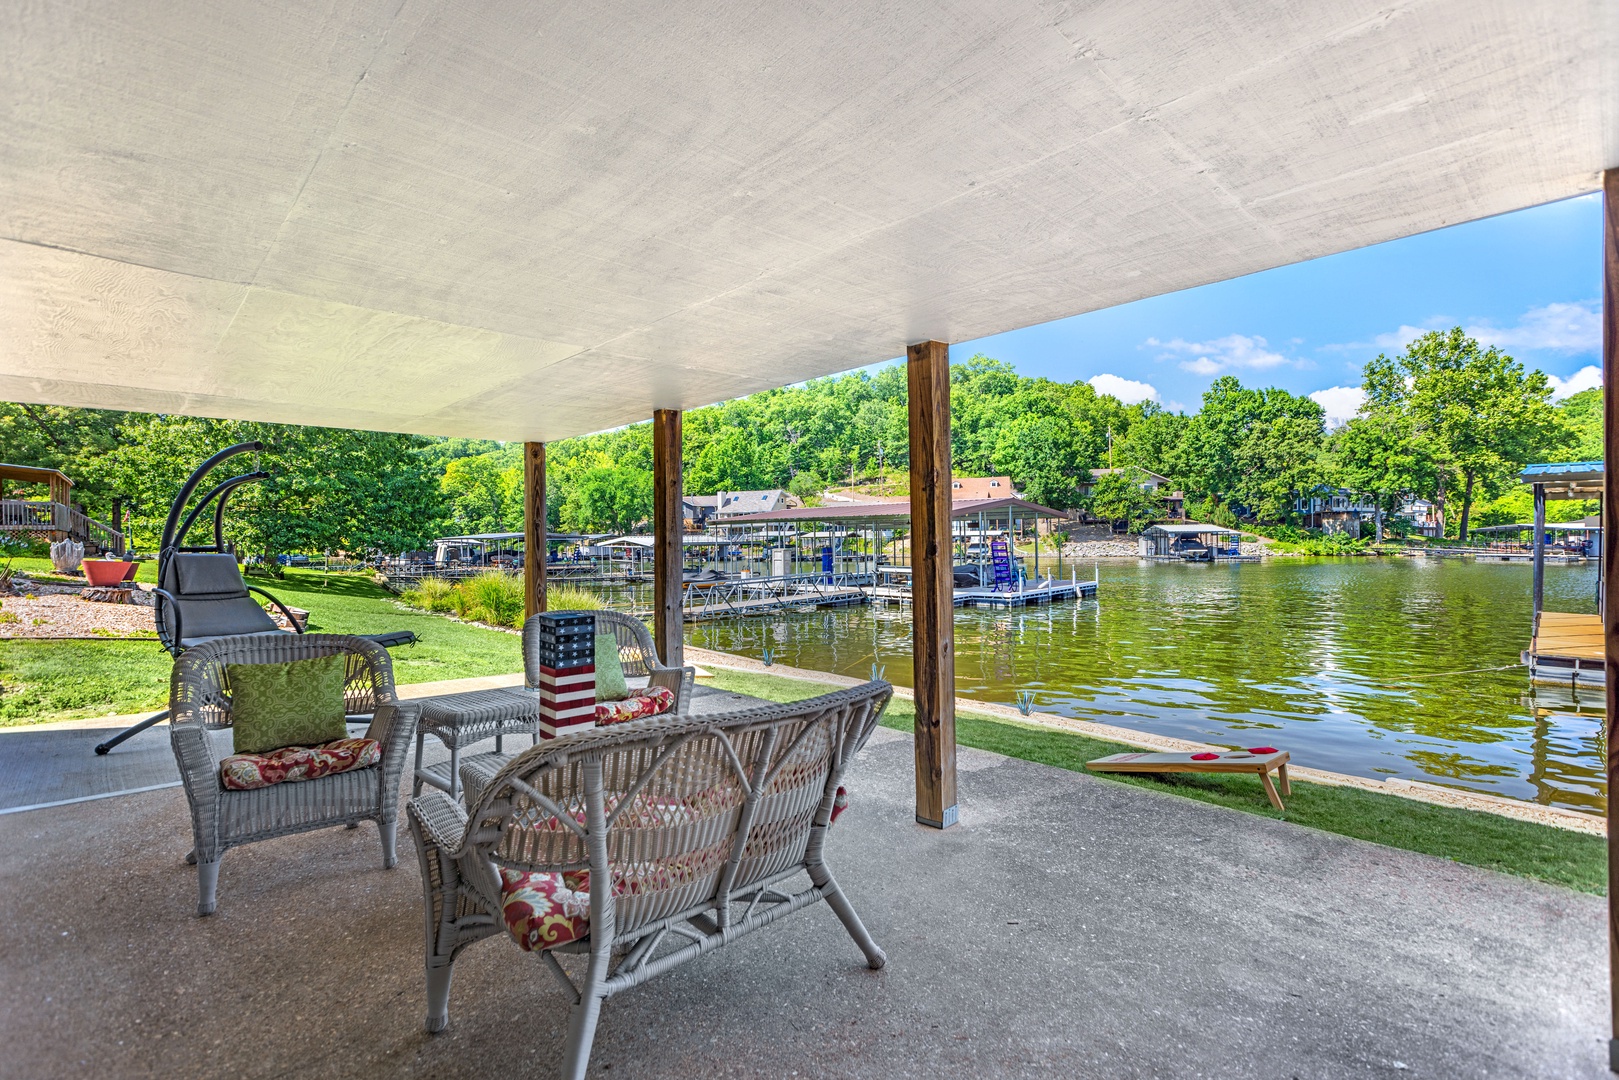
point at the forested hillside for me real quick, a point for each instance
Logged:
(1446, 420)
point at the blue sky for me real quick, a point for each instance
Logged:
(1528, 282)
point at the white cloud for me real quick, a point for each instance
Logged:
(1584, 379)
(1558, 327)
(1572, 328)
(1222, 354)
(1405, 335)
(1340, 402)
(1126, 390)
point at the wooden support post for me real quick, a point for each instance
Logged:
(533, 528)
(1538, 547)
(668, 530)
(1610, 564)
(932, 584)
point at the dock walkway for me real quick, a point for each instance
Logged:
(1567, 649)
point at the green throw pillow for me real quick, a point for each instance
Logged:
(610, 684)
(299, 703)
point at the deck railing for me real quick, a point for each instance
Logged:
(41, 517)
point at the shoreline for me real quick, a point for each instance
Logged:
(1415, 790)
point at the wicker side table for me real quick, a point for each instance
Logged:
(461, 720)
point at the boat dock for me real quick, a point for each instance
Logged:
(1045, 592)
(1567, 649)
(1564, 647)
(772, 595)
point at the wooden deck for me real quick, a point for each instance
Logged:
(1567, 649)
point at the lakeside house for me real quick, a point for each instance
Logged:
(974, 488)
(1149, 481)
(734, 503)
(1422, 515)
(1336, 511)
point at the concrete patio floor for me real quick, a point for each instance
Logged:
(1069, 926)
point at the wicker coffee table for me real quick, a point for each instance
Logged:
(464, 719)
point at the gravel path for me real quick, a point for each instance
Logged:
(67, 615)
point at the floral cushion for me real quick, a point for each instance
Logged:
(247, 772)
(839, 804)
(541, 910)
(649, 702)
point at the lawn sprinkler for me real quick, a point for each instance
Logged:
(1025, 701)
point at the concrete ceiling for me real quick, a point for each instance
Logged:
(520, 220)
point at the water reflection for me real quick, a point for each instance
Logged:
(1398, 667)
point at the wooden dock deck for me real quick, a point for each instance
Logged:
(1567, 649)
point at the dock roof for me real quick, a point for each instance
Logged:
(1566, 479)
(1188, 528)
(897, 511)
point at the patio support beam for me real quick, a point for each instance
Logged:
(932, 584)
(668, 530)
(1610, 567)
(534, 545)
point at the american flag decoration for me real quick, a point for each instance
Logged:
(567, 672)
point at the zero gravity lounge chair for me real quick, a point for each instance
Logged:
(200, 594)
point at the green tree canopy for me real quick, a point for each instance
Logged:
(1475, 412)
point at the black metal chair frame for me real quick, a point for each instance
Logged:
(169, 631)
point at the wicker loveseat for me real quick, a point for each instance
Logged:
(199, 701)
(699, 823)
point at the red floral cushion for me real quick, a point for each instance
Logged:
(248, 772)
(540, 909)
(649, 702)
(840, 803)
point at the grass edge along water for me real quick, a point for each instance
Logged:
(1573, 860)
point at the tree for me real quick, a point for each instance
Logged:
(1121, 496)
(1037, 452)
(1582, 416)
(1377, 455)
(1260, 449)
(609, 498)
(329, 489)
(484, 492)
(1475, 410)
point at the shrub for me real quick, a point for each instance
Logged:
(572, 598)
(493, 597)
(431, 594)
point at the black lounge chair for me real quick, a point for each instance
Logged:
(201, 595)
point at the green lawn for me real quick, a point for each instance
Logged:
(1478, 839)
(54, 680)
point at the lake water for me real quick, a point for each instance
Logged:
(1375, 667)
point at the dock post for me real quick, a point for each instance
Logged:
(1539, 549)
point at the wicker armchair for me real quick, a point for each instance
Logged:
(636, 652)
(199, 701)
(699, 822)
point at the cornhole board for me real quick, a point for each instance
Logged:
(1230, 761)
